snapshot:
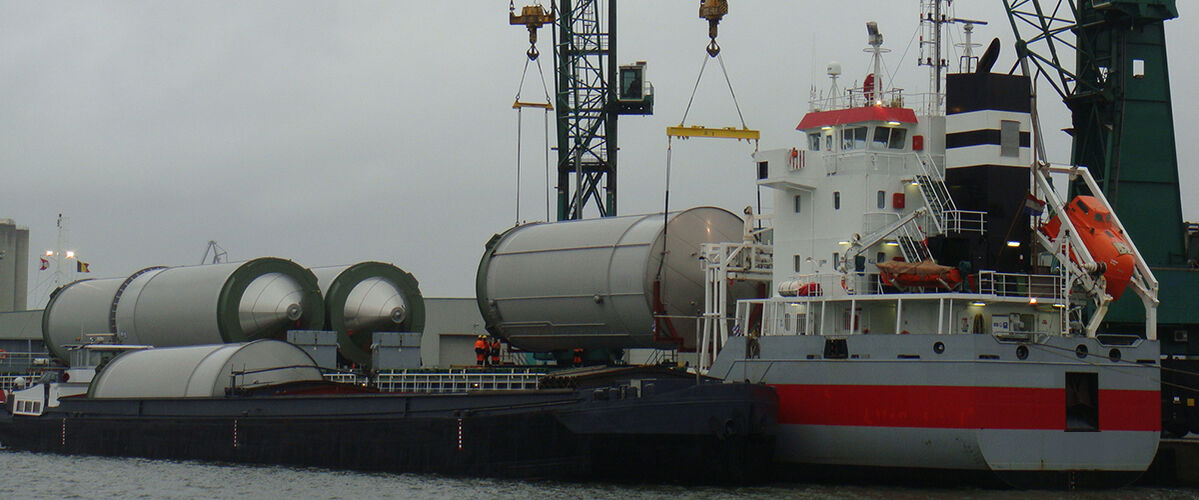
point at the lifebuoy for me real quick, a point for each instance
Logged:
(3, 354)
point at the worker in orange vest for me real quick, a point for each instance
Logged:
(495, 351)
(480, 350)
(578, 357)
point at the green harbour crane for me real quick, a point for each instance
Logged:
(591, 91)
(1117, 87)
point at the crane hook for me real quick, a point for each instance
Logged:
(713, 11)
(531, 17)
(713, 48)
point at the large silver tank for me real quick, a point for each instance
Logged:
(365, 298)
(591, 283)
(210, 304)
(202, 371)
(77, 309)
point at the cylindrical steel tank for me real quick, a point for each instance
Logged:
(219, 303)
(209, 304)
(76, 309)
(595, 283)
(365, 298)
(202, 371)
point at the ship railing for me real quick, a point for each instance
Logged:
(1031, 286)
(828, 313)
(21, 362)
(868, 159)
(343, 378)
(8, 382)
(858, 97)
(965, 221)
(833, 285)
(943, 212)
(458, 381)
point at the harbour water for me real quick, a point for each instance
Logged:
(33, 475)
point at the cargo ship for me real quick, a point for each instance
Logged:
(936, 305)
(922, 299)
(266, 401)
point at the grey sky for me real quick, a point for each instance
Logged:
(334, 132)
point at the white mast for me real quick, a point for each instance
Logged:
(932, 21)
(966, 63)
(876, 51)
(58, 254)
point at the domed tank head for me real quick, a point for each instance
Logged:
(375, 303)
(369, 297)
(269, 302)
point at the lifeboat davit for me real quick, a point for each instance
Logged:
(1099, 233)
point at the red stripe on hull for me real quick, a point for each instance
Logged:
(956, 407)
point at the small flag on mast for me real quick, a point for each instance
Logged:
(45, 264)
(81, 267)
(1033, 206)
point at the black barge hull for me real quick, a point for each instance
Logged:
(696, 433)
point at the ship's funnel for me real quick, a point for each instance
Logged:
(365, 298)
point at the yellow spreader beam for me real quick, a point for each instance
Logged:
(542, 105)
(720, 133)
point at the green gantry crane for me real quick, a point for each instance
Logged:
(1118, 93)
(587, 103)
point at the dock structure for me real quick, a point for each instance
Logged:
(1176, 463)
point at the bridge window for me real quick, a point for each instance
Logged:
(798, 202)
(814, 141)
(836, 200)
(889, 138)
(631, 87)
(853, 138)
(882, 199)
(798, 261)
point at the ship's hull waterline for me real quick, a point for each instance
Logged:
(895, 403)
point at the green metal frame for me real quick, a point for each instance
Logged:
(1122, 123)
(585, 67)
(1123, 129)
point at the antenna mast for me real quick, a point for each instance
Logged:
(932, 17)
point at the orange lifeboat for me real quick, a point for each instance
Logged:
(927, 274)
(1099, 233)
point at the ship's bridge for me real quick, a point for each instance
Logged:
(877, 128)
